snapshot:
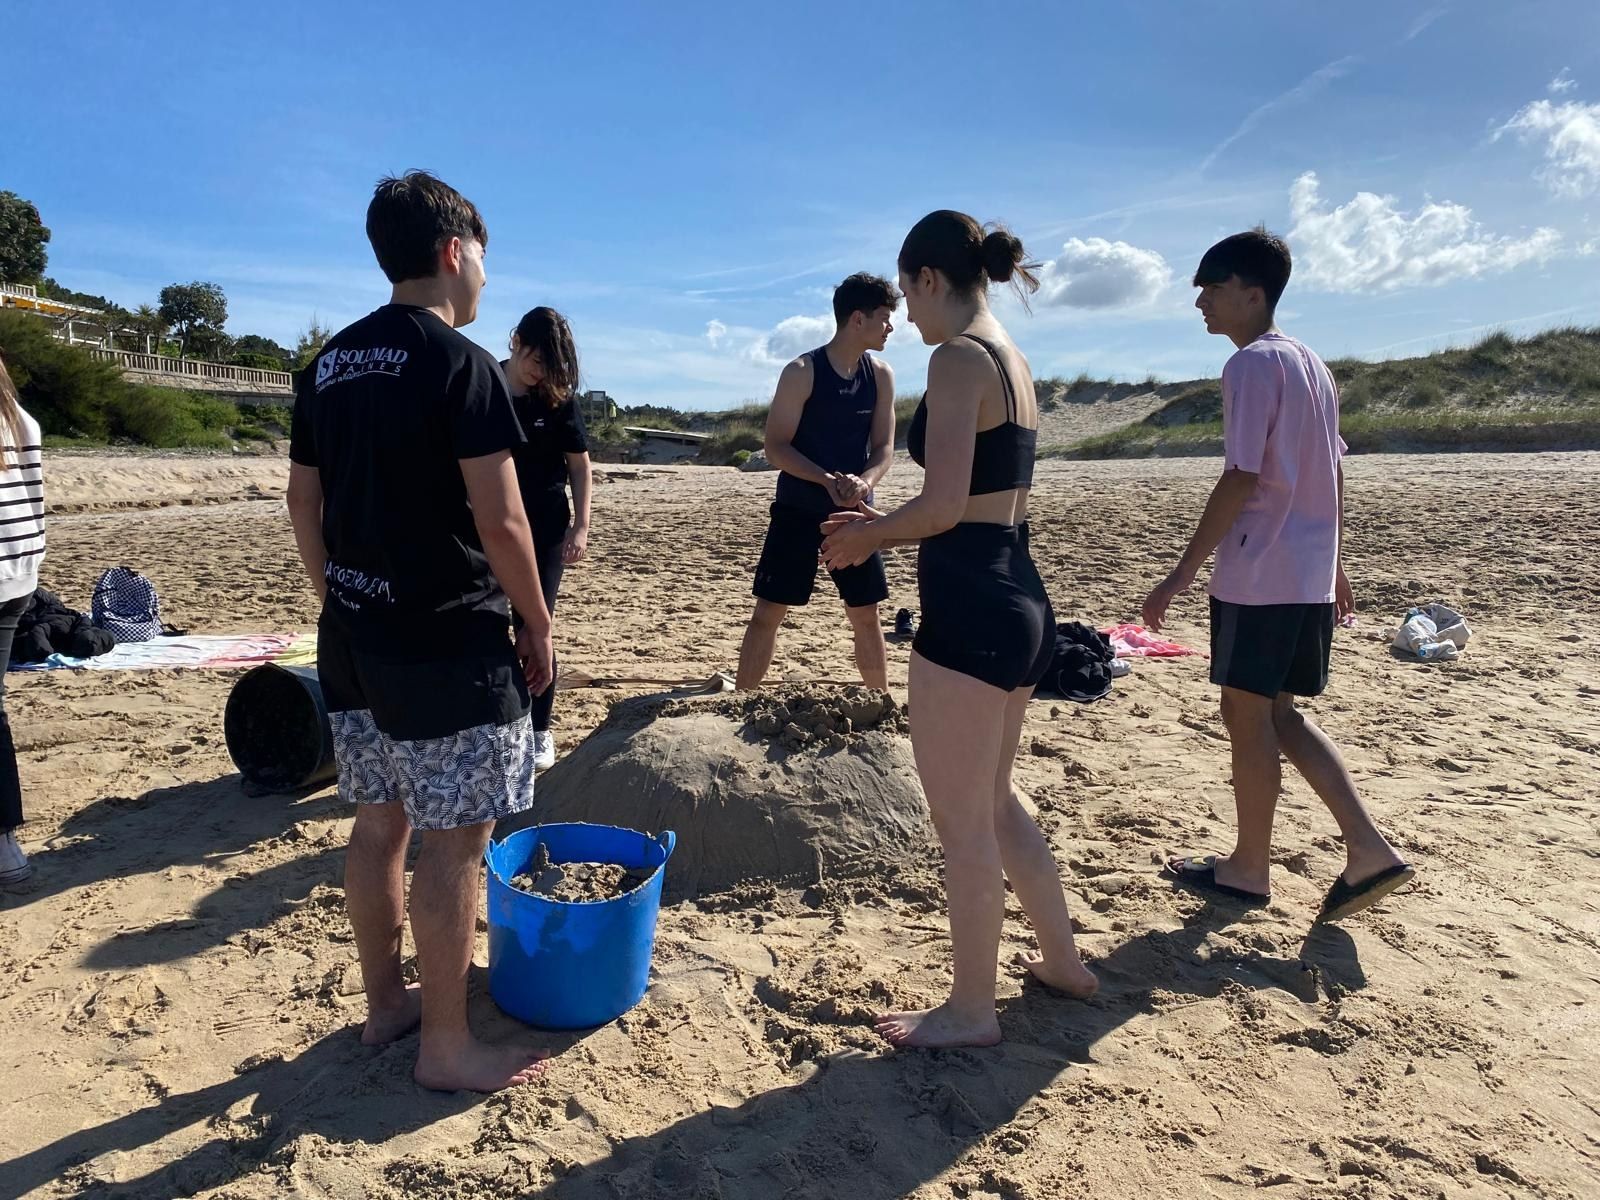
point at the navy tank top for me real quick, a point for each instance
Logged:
(835, 429)
(1002, 457)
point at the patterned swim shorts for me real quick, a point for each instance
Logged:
(448, 737)
(468, 778)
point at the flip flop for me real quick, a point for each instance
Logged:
(1346, 899)
(1199, 874)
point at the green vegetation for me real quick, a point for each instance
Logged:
(79, 400)
(23, 237)
(1531, 393)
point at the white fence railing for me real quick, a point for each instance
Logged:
(26, 297)
(160, 364)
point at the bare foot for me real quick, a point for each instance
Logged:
(938, 1028)
(385, 1025)
(1074, 979)
(476, 1067)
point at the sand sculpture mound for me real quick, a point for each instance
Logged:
(791, 785)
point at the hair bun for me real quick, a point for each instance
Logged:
(1002, 254)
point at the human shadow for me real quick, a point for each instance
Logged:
(806, 1140)
(810, 1139)
(336, 1087)
(927, 1109)
(190, 824)
(242, 903)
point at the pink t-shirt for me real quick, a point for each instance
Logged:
(1280, 421)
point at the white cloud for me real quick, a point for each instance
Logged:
(790, 337)
(1095, 273)
(1306, 88)
(1571, 135)
(1421, 24)
(1370, 245)
(1592, 246)
(715, 332)
(1562, 83)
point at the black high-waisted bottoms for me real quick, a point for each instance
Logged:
(984, 608)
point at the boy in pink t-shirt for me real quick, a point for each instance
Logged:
(1275, 520)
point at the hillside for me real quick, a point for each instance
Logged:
(1504, 393)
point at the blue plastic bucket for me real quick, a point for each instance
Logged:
(559, 965)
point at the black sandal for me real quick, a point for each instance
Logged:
(1200, 874)
(1346, 899)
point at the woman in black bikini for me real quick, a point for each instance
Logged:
(987, 631)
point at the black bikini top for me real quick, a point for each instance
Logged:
(1002, 457)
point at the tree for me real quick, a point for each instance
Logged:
(23, 237)
(50, 288)
(310, 344)
(147, 322)
(253, 350)
(188, 307)
(210, 343)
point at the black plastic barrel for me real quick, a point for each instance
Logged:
(276, 726)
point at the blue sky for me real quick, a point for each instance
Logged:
(687, 182)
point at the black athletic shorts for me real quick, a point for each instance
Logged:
(1271, 648)
(788, 568)
(985, 612)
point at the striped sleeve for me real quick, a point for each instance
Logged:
(21, 509)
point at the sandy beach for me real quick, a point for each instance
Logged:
(178, 980)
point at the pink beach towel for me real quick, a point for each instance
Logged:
(1135, 641)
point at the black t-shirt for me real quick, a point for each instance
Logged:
(552, 434)
(384, 414)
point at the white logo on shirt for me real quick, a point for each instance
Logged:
(341, 366)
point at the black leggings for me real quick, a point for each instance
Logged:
(550, 516)
(984, 608)
(10, 785)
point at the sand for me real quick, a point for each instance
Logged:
(179, 988)
(577, 882)
(800, 786)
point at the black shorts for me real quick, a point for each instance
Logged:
(984, 608)
(410, 700)
(788, 568)
(1271, 648)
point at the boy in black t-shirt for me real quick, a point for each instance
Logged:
(407, 516)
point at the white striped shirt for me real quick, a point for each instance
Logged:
(21, 512)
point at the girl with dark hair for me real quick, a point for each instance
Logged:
(543, 374)
(21, 550)
(987, 632)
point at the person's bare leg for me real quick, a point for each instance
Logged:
(872, 656)
(1033, 873)
(760, 638)
(1367, 851)
(375, 898)
(1257, 778)
(956, 728)
(444, 912)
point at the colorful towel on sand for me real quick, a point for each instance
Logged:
(190, 653)
(1135, 641)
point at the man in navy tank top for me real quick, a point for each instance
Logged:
(830, 432)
